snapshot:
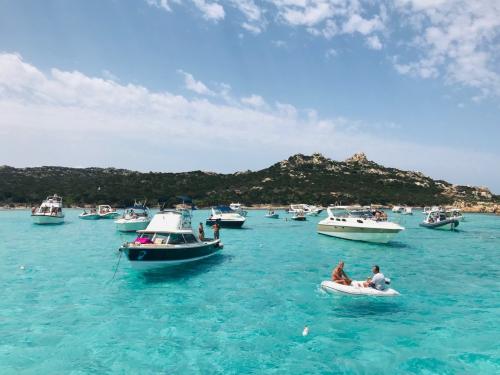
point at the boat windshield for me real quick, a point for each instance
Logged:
(364, 214)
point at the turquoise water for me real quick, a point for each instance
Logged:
(243, 311)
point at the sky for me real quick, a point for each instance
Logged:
(179, 85)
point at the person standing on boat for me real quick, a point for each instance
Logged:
(377, 281)
(339, 276)
(216, 229)
(201, 232)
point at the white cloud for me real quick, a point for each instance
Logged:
(455, 39)
(254, 100)
(358, 24)
(252, 28)
(279, 43)
(193, 85)
(373, 42)
(90, 119)
(163, 4)
(211, 11)
(331, 53)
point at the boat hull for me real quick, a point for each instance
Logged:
(273, 216)
(356, 289)
(147, 258)
(89, 217)
(450, 224)
(299, 218)
(226, 223)
(47, 219)
(109, 215)
(131, 226)
(358, 234)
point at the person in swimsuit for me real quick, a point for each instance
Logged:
(201, 232)
(339, 276)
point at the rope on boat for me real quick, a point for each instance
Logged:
(116, 268)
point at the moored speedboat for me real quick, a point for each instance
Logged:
(238, 208)
(90, 215)
(358, 225)
(407, 211)
(225, 217)
(438, 219)
(397, 209)
(106, 212)
(134, 218)
(308, 210)
(167, 241)
(455, 213)
(299, 215)
(272, 215)
(49, 212)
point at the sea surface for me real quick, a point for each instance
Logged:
(243, 311)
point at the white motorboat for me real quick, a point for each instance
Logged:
(306, 209)
(106, 212)
(271, 214)
(238, 208)
(397, 209)
(168, 240)
(49, 212)
(133, 219)
(299, 215)
(89, 215)
(225, 218)
(439, 219)
(407, 211)
(455, 213)
(428, 209)
(358, 225)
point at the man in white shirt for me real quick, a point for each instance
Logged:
(377, 281)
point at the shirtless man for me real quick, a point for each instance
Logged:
(339, 276)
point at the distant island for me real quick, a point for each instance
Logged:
(300, 178)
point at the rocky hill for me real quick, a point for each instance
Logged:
(300, 178)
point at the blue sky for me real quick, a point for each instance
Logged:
(241, 84)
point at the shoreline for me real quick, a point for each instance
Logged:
(478, 208)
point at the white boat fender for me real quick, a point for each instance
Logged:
(387, 281)
(305, 332)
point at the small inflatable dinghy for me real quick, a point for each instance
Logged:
(356, 288)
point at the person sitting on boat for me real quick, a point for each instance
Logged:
(201, 232)
(339, 276)
(377, 281)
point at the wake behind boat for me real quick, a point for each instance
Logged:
(168, 240)
(49, 212)
(358, 225)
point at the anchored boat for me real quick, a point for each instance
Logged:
(359, 225)
(238, 208)
(440, 219)
(89, 215)
(225, 217)
(106, 212)
(168, 240)
(133, 219)
(272, 215)
(49, 212)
